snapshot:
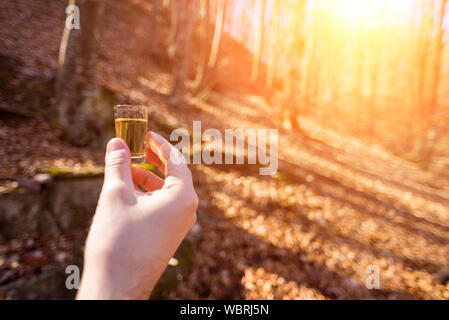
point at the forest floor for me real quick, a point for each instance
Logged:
(336, 206)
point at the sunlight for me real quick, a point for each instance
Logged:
(372, 13)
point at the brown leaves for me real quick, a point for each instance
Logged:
(29, 144)
(289, 241)
(259, 284)
(35, 259)
(26, 257)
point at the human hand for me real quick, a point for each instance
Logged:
(134, 234)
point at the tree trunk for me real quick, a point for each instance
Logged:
(274, 39)
(77, 86)
(429, 134)
(257, 54)
(217, 35)
(154, 26)
(186, 14)
(204, 44)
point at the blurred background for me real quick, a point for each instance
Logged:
(358, 90)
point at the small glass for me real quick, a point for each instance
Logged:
(131, 125)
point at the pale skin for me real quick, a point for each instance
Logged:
(134, 234)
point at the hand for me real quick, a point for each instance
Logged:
(134, 234)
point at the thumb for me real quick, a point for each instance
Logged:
(118, 164)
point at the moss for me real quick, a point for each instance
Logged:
(54, 171)
(70, 172)
(148, 166)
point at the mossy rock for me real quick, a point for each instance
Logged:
(70, 172)
(92, 122)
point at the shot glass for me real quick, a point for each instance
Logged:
(131, 125)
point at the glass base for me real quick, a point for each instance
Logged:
(137, 159)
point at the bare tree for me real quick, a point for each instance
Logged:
(154, 25)
(274, 38)
(217, 35)
(204, 36)
(77, 86)
(186, 12)
(257, 54)
(429, 134)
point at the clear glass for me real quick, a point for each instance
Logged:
(131, 125)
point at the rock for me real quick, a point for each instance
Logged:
(64, 204)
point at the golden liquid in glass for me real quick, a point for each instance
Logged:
(134, 133)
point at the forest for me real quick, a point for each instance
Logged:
(358, 91)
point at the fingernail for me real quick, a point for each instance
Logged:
(115, 145)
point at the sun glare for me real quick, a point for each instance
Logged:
(371, 13)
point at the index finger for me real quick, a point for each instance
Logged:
(173, 160)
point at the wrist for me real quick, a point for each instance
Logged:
(110, 282)
(107, 276)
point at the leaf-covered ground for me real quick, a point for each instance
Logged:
(336, 206)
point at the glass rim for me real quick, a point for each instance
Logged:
(130, 106)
